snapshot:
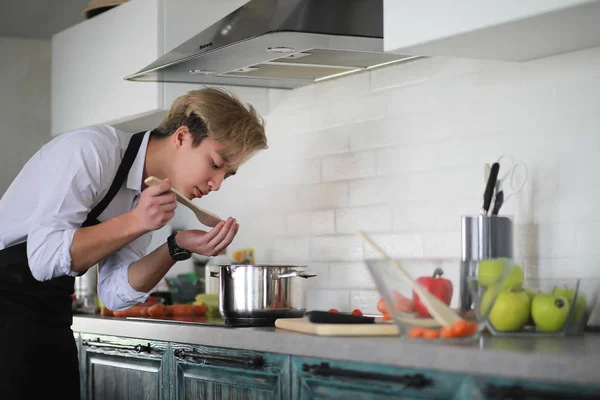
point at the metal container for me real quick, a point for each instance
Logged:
(482, 237)
(264, 292)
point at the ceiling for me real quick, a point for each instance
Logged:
(39, 19)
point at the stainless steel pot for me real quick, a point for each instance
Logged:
(262, 291)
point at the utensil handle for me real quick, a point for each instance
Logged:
(489, 188)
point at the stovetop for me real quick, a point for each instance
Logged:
(212, 321)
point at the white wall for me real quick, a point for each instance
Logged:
(400, 152)
(24, 103)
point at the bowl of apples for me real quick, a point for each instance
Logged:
(508, 304)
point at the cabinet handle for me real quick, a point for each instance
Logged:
(137, 348)
(409, 380)
(518, 392)
(223, 359)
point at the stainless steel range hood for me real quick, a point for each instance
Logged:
(280, 44)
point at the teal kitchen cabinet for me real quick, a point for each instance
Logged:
(492, 388)
(120, 368)
(328, 379)
(216, 373)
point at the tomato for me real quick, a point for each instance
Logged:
(333, 310)
(357, 312)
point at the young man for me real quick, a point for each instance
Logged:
(81, 200)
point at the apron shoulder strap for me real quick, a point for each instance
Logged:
(128, 159)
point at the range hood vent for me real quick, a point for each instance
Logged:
(280, 44)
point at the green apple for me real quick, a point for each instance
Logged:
(580, 304)
(493, 270)
(510, 311)
(531, 294)
(549, 312)
(487, 298)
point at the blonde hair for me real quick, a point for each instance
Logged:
(220, 115)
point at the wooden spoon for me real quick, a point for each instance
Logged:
(206, 217)
(443, 314)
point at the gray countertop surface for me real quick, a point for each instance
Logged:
(561, 360)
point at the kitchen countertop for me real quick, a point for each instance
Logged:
(573, 360)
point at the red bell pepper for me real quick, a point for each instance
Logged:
(436, 285)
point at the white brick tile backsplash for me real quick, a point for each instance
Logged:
(336, 248)
(322, 280)
(442, 244)
(316, 223)
(292, 250)
(325, 195)
(399, 152)
(351, 166)
(406, 159)
(350, 275)
(365, 301)
(395, 245)
(369, 191)
(323, 300)
(368, 219)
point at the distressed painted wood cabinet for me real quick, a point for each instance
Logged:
(326, 379)
(119, 368)
(201, 372)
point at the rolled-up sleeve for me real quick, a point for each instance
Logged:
(114, 289)
(73, 175)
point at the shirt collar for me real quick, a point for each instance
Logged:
(136, 173)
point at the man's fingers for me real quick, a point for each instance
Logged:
(210, 235)
(159, 189)
(228, 238)
(166, 198)
(222, 234)
(169, 207)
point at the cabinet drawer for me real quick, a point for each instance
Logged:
(328, 379)
(213, 373)
(504, 389)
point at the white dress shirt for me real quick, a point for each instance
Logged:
(54, 192)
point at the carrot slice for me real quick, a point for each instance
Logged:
(459, 328)
(431, 334)
(446, 332)
(416, 332)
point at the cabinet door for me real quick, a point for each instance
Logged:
(216, 373)
(119, 368)
(509, 30)
(505, 389)
(327, 379)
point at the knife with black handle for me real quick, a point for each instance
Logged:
(326, 317)
(489, 189)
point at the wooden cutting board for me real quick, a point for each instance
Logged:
(305, 326)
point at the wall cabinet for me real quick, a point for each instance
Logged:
(509, 30)
(91, 59)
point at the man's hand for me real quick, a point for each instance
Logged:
(209, 243)
(156, 207)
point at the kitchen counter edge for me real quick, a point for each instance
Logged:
(573, 360)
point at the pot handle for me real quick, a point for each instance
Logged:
(214, 274)
(293, 274)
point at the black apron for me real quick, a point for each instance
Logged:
(38, 354)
